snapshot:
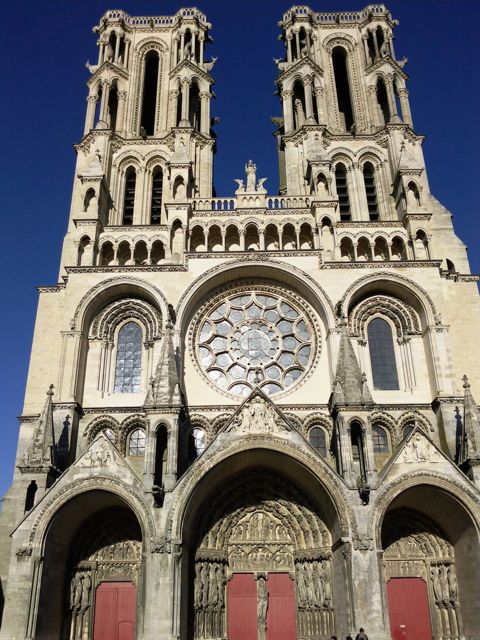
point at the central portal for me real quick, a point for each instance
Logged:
(263, 565)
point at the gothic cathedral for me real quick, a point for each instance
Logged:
(248, 417)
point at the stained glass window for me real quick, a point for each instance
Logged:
(136, 443)
(255, 338)
(128, 368)
(382, 355)
(318, 440)
(380, 440)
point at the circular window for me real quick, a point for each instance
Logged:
(255, 337)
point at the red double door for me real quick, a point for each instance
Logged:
(242, 607)
(115, 604)
(408, 609)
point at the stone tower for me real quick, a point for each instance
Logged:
(257, 421)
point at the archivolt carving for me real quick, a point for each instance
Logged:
(389, 277)
(111, 283)
(317, 420)
(106, 322)
(403, 316)
(339, 40)
(414, 418)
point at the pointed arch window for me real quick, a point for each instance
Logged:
(128, 368)
(342, 86)
(370, 190)
(129, 195)
(137, 443)
(342, 191)
(318, 440)
(382, 355)
(150, 90)
(157, 194)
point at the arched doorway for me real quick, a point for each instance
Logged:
(431, 555)
(91, 571)
(261, 563)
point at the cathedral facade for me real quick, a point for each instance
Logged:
(248, 417)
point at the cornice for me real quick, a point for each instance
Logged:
(191, 67)
(296, 65)
(126, 269)
(378, 63)
(393, 264)
(54, 288)
(107, 66)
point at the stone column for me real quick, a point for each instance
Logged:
(201, 39)
(117, 46)
(261, 239)
(390, 44)
(185, 103)
(405, 106)
(182, 46)
(205, 113)
(375, 44)
(172, 108)
(391, 97)
(104, 106)
(374, 106)
(365, 48)
(319, 93)
(307, 84)
(194, 44)
(90, 117)
(242, 239)
(122, 99)
(288, 110)
(289, 47)
(297, 43)
(127, 53)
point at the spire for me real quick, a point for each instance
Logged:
(164, 386)
(350, 385)
(471, 424)
(42, 449)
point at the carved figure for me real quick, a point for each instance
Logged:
(198, 586)
(204, 575)
(301, 587)
(262, 602)
(300, 113)
(444, 583)
(452, 584)
(241, 186)
(86, 587)
(251, 171)
(437, 587)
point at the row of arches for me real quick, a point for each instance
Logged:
(251, 237)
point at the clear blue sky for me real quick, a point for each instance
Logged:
(44, 46)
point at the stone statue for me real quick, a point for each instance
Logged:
(241, 186)
(437, 587)
(262, 602)
(299, 112)
(198, 586)
(384, 49)
(301, 588)
(251, 171)
(86, 587)
(452, 583)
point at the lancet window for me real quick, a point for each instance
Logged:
(129, 195)
(342, 192)
(342, 86)
(150, 92)
(128, 369)
(137, 443)
(318, 439)
(157, 193)
(382, 355)
(370, 190)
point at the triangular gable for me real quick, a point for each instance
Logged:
(418, 452)
(304, 66)
(101, 454)
(258, 414)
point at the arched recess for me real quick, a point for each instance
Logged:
(262, 521)
(146, 303)
(92, 540)
(429, 533)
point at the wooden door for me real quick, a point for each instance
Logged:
(115, 604)
(242, 607)
(408, 609)
(281, 607)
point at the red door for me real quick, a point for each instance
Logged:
(242, 607)
(281, 607)
(115, 604)
(408, 609)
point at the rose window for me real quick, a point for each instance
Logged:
(254, 338)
